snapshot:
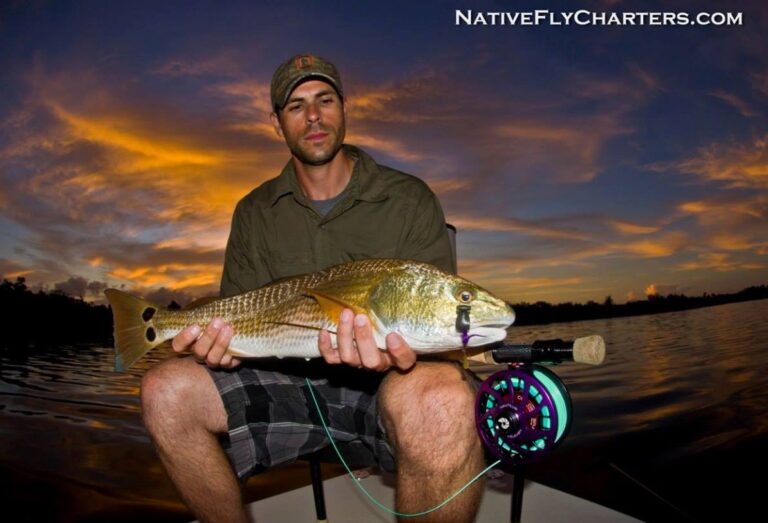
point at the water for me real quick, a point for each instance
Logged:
(666, 429)
(72, 446)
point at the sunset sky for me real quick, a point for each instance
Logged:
(576, 162)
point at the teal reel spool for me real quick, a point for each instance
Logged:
(522, 413)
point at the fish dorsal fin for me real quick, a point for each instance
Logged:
(194, 304)
(332, 306)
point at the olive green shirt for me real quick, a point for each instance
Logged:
(385, 213)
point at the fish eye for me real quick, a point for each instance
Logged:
(465, 296)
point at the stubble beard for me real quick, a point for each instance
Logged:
(308, 155)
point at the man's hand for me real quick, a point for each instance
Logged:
(357, 347)
(208, 346)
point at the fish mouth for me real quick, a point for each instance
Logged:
(486, 335)
(486, 332)
(502, 321)
(499, 322)
(500, 325)
(492, 330)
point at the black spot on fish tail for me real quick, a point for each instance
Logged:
(151, 335)
(148, 314)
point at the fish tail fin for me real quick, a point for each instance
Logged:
(135, 332)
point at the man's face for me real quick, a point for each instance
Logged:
(312, 122)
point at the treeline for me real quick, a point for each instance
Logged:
(53, 318)
(35, 319)
(542, 312)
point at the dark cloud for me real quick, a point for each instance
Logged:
(75, 286)
(79, 287)
(95, 288)
(164, 296)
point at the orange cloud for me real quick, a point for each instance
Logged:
(262, 129)
(535, 283)
(722, 210)
(174, 276)
(392, 147)
(449, 185)
(656, 289)
(718, 261)
(17, 274)
(481, 223)
(246, 99)
(150, 152)
(632, 228)
(735, 242)
(661, 246)
(392, 103)
(652, 249)
(736, 165)
(730, 224)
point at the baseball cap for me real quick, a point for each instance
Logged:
(298, 69)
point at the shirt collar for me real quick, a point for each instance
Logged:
(365, 185)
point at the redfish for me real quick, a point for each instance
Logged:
(282, 319)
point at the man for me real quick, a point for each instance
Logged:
(224, 420)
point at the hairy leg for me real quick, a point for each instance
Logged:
(429, 417)
(183, 413)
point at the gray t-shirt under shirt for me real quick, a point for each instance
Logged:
(323, 207)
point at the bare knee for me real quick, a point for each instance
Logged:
(179, 394)
(429, 414)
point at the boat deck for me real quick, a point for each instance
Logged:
(346, 504)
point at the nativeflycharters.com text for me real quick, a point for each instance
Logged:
(584, 17)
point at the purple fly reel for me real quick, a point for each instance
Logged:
(522, 413)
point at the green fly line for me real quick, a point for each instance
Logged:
(367, 494)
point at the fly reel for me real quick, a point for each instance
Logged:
(522, 413)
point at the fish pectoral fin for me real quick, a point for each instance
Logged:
(300, 326)
(332, 306)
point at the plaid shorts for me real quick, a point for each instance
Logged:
(273, 420)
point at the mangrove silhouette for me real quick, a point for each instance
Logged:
(542, 312)
(45, 319)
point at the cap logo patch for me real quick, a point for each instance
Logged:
(304, 61)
